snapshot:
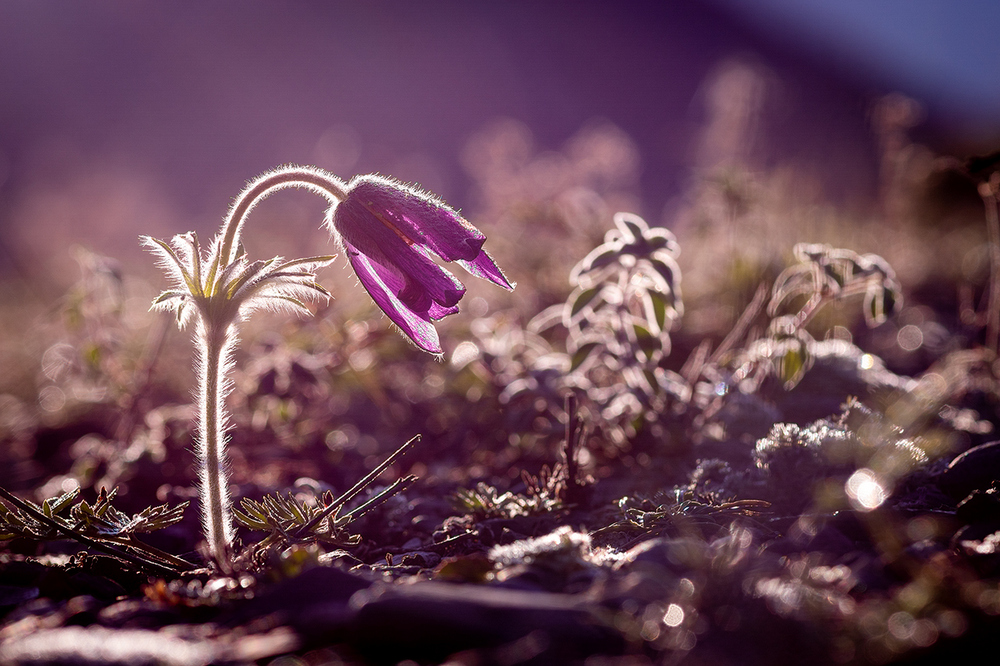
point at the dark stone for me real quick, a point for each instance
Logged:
(430, 620)
(295, 600)
(15, 595)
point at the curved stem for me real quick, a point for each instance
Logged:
(323, 183)
(991, 204)
(217, 337)
(216, 510)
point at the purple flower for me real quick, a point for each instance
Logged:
(389, 231)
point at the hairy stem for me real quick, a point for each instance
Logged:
(215, 501)
(324, 183)
(217, 338)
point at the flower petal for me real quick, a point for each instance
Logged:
(409, 293)
(484, 267)
(419, 217)
(417, 326)
(417, 277)
(436, 312)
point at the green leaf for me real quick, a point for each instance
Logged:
(63, 501)
(167, 295)
(580, 299)
(668, 268)
(294, 301)
(210, 276)
(892, 300)
(318, 287)
(254, 518)
(880, 302)
(646, 342)
(809, 252)
(659, 310)
(247, 273)
(632, 226)
(169, 253)
(874, 306)
(792, 362)
(319, 260)
(195, 257)
(651, 384)
(837, 276)
(793, 281)
(660, 239)
(598, 258)
(582, 353)
(157, 517)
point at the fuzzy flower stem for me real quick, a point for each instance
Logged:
(219, 338)
(216, 509)
(323, 183)
(388, 231)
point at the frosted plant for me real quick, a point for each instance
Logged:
(824, 274)
(625, 303)
(388, 230)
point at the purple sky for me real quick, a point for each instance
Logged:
(188, 99)
(944, 51)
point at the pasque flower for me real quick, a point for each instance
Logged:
(389, 232)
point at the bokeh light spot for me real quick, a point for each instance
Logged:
(362, 359)
(910, 338)
(674, 616)
(464, 353)
(51, 398)
(865, 491)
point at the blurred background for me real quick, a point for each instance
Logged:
(742, 125)
(124, 118)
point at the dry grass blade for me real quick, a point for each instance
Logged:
(357, 488)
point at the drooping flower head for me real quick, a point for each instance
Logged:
(389, 232)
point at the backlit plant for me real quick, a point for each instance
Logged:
(388, 231)
(626, 299)
(626, 302)
(100, 526)
(824, 274)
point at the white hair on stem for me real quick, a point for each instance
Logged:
(220, 288)
(215, 384)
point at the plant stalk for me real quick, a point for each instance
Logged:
(323, 183)
(989, 194)
(215, 502)
(219, 319)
